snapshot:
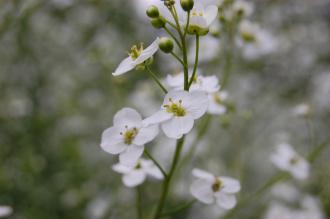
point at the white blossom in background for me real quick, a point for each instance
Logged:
(136, 57)
(211, 49)
(285, 158)
(277, 210)
(5, 211)
(211, 189)
(217, 102)
(178, 112)
(286, 192)
(208, 84)
(254, 41)
(243, 8)
(303, 110)
(127, 136)
(137, 174)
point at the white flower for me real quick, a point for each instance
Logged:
(244, 8)
(278, 211)
(208, 84)
(178, 112)
(210, 189)
(217, 102)
(303, 110)
(137, 56)
(287, 159)
(136, 175)
(5, 211)
(127, 136)
(202, 15)
(254, 41)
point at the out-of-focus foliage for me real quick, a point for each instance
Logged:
(57, 94)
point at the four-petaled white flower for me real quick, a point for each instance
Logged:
(127, 136)
(285, 158)
(136, 57)
(178, 112)
(135, 175)
(202, 15)
(211, 189)
(208, 84)
(5, 211)
(217, 102)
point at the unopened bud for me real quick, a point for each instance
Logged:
(166, 44)
(187, 5)
(152, 12)
(158, 22)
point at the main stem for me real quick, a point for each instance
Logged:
(167, 182)
(139, 203)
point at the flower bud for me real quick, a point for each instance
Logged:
(166, 44)
(187, 5)
(152, 12)
(158, 22)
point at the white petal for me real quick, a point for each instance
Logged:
(112, 141)
(300, 170)
(121, 168)
(198, 21)
(211, 13)
(175, 96)
(177, 126)
(230, 185)
(210, 84)
(202, 174)
(146, 134)
(196, 104)
(134, 178)
(5, 211)
(131, 155)
(154, 172)
(125, 66)
(148, 52)
(157, 118)
(225, 201)
(175, 81)
(202, 190)
(127, 116)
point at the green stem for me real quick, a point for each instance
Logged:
(313, 154)
(139, 203)
(146, 152)
(177, 58)
(174, 38)
(156, 79)
(187, 24)
(167, 181)
(196, 62)
(179, 208)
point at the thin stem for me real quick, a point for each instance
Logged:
(167, 181)
(146, 152)
(177, 57)
(174, 38)
(196, 62)
(156, 79)
(179, 208)
(311, 132)
(187, 24)
(171, 24)
(139, 203)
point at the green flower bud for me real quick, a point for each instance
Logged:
(187, 5)
(158, 22)
(152, 12)
(166, 44)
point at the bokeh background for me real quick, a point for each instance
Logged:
(57, 95)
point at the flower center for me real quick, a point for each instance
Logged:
(175, 108)
(138, 166)
(197, 13)
(136, 51)
(248, 37)
(294, 160)
(217, 99)
(129, 135)
(217, 185)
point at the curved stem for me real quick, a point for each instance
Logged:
(174, 38)
(146, 152)
(196, 62)
(177, 57)
(179, 208)
(167, 181)
(156, 79)
(187, 24)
